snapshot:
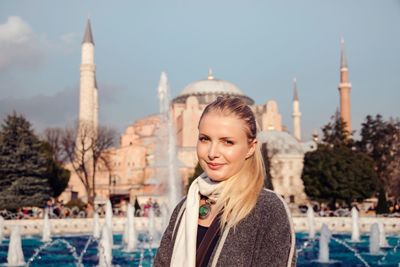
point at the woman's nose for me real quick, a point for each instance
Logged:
(213, 152)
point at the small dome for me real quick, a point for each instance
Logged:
(207, 90)
(281, 143)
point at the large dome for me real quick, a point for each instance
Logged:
(281, 143)
(211, 86)
(207, 90)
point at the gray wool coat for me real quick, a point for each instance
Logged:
(264, 238)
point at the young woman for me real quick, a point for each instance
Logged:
(227, 218)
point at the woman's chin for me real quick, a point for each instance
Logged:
(214, 180)
(215, 177)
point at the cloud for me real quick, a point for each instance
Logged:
(44, 111)
(58, 110)
(70, 38)
(19, 45)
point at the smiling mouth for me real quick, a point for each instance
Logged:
(214, 166)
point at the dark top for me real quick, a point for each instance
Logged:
(201, 232)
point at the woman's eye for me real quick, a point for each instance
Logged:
(228, 142)
(202, 139)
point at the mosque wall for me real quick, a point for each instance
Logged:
(190, 121)
(286, 177)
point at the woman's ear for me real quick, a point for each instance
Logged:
(252, 148)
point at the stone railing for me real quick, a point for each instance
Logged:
(85, 225)
(343, 224)
(72, 226)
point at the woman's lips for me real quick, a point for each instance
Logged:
(214, 166)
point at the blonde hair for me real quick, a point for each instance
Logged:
(240, 192)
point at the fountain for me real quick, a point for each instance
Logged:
(130, 236)
(374, 239)
(15, 256)
(105, 247)
(71, 249)
(382, 236)
(62, 250)
(311, 222)
(151, 228)
(174, 184)
(354, 251)
(46, 233)
(96, 225)
(324, 239)
(391, 253)
(1, 228)
(125, 234)
(355, 229)
(109, 223)
(84, 250)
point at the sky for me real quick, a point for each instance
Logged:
(259, 46)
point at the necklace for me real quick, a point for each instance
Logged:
(205, 209)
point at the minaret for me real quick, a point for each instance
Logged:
(296, 113)
(95, 104)
(88, 103)
(344, 89)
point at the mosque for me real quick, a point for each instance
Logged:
(131, 172)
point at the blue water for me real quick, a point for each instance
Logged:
(339, 255)
(60, 255)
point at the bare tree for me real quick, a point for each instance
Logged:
(84, 148)
(53, 137)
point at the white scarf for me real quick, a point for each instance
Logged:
(184, 253)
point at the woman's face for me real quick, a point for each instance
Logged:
(223, 146)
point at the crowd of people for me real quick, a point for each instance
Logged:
(57, 209)
(365, 208)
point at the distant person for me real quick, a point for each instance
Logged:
(396, 208)
(227, 218)
(156, 208)
(49, 206)
(25, 211)
(146, 207)
(138, 208)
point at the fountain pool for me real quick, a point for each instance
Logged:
(75, 249)
(344, 252)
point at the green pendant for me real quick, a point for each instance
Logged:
(204, 211)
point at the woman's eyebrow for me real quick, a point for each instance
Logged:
(226, 138)
(220, 138)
